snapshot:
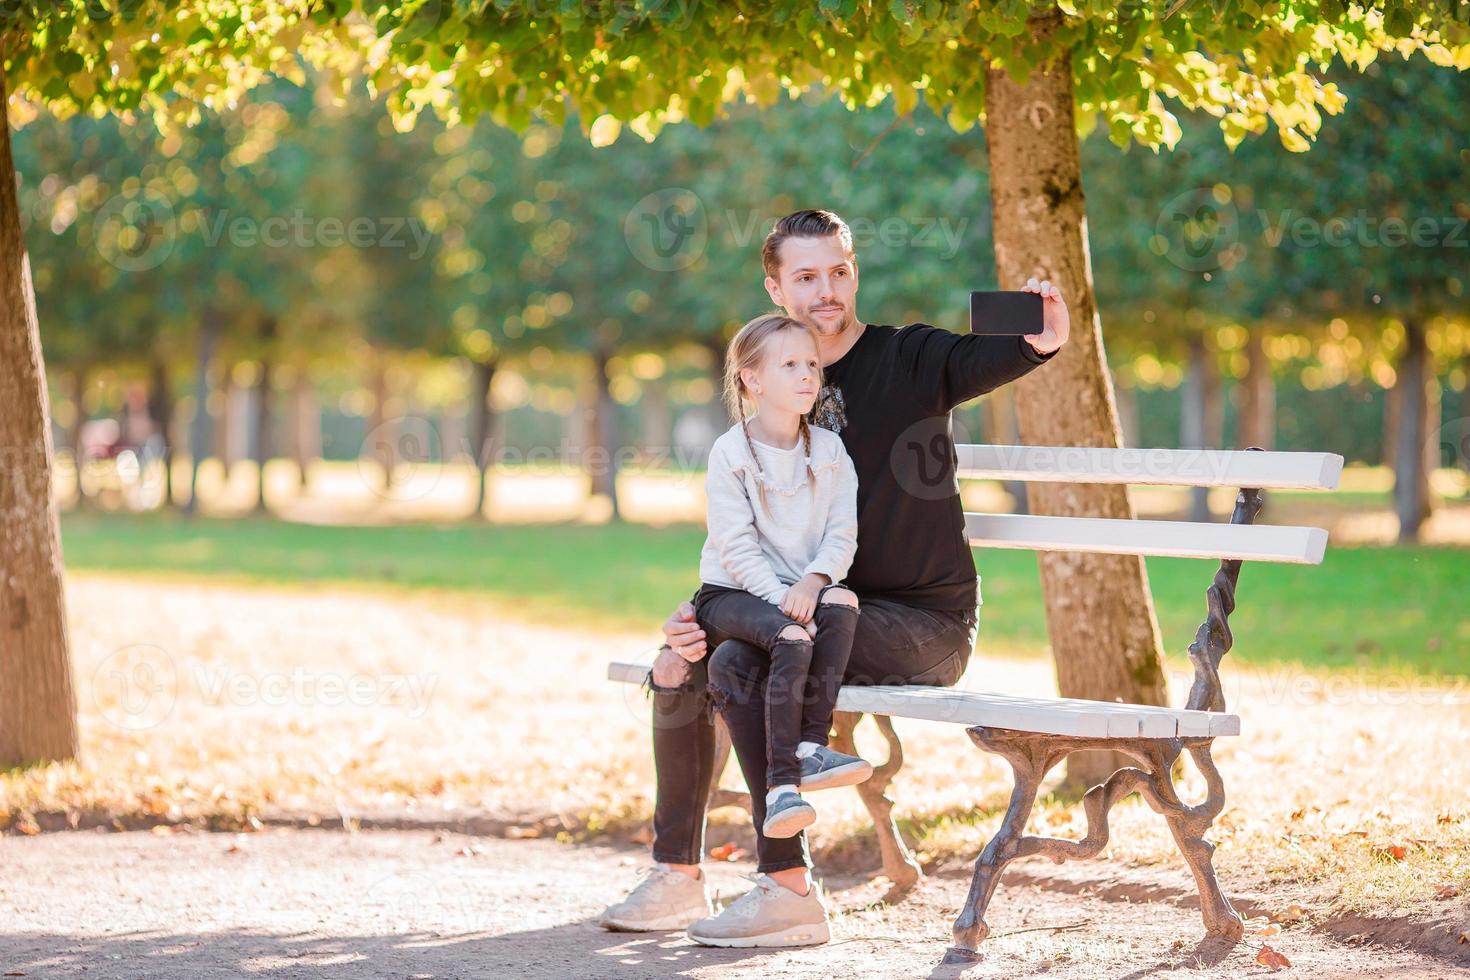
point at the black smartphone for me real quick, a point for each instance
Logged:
(1005, 312)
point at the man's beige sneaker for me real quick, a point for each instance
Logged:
(663, 902)
(767, 915)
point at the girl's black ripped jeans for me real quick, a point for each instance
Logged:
(795, 685)
(894, 643)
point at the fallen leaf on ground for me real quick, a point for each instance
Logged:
(727, 852)
(1269, 957)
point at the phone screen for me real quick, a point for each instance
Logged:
(1005, 312)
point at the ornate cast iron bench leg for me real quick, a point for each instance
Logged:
(1030, 759)
(899, 866)
(1032, 755)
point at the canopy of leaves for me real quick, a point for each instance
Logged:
(650, 62)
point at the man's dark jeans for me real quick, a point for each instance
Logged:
(798, 688)
(892, 644)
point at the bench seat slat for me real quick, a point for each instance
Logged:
(1181, 539)
(1053, 716)
(1156, 467)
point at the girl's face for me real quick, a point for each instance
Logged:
(786, 379)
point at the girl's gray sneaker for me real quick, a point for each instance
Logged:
(788, 816)
(826, 768)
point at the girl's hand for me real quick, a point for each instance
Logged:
(800, 601)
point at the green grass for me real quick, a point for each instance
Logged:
(1383, 609)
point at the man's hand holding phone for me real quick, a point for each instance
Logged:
(1036, 312)
(1056, 322)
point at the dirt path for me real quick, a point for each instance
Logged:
(309, 904)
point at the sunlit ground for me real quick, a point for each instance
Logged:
(202, 701)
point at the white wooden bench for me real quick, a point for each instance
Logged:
(1035, 734)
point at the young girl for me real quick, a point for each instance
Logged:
(782, 522)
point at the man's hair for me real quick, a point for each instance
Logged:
(803, 224)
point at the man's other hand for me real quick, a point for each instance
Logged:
(683, 634)
(669, 669)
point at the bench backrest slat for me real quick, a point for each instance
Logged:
(1181, 539)
(1169, 467)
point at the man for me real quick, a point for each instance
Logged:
(887, 392)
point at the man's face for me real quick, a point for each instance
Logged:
(817, 285)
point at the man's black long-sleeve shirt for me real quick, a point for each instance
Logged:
(889, 398)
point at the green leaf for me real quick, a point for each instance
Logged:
(69, 62)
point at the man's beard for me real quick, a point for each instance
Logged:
(826, 328)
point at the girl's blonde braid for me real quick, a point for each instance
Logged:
(760, 473)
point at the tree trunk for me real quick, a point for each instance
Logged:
(1461, 430)
(38, 707)
(263, 417)
(715, 411)
(199, 428)
(382, 444)
(658, 420)
(1257, 396)
(1127, 399)
(1410, 477)
(606, 437)
(482, 420)
(1100, 613)
(80, 379)
(1202, 420)
(224, 435)
(161, 408)
(305, 426)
